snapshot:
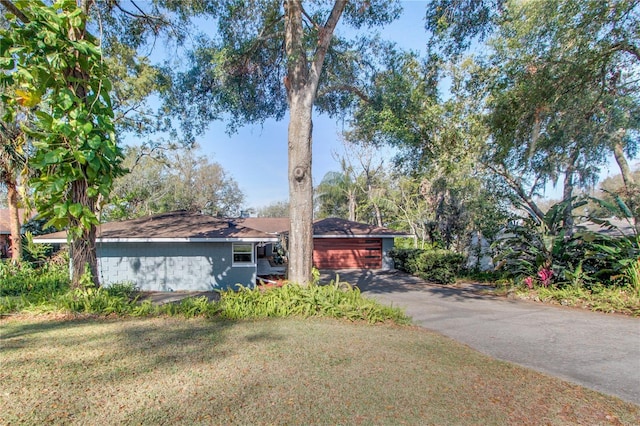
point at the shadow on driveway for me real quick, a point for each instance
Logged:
(378, 282)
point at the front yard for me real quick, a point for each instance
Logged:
(60, 370)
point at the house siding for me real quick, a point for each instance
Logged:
(184, 266)
(387, 260)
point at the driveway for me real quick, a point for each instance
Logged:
(595, 350)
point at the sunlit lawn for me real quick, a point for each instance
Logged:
(291, 371)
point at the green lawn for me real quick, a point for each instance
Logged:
(281, 371)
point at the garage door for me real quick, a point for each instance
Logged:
(347, 253)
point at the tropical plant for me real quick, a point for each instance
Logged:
(53, 66)
(540, 248)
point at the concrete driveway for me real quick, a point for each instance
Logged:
(598, 351)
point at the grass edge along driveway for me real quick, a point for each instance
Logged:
(284, 371)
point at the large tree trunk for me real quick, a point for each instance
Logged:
(14, 223)
(300, 192)
(83, 247)
(301, 83)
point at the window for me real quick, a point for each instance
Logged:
(243, 254)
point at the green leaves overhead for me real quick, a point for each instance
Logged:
(58, 79)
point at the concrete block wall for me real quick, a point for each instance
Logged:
(172, 266)
(387, 260)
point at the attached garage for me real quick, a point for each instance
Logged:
(343, 244)
(339, 243)
(342, 253)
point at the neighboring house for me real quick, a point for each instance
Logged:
(178, 251)
(5, 230)
(340, 243)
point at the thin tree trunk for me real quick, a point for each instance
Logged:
(14, 223)
(625, 170)
(567, 194)
(352, 204)
(630, 188)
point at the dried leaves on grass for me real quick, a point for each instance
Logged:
(285, 371)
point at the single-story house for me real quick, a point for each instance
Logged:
(185, 251)
(177, 251)
(339, 243)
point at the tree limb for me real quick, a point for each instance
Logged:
(345, 88)
(518, 189)
(324, 39)
(13, 9)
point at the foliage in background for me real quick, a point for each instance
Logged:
(440, 266)
(172, 179)
(539, 251)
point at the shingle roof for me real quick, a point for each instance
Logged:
(184, 225)
(270, 225)
(180, 225)
(335, 227)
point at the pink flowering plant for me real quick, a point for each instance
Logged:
(545, 275)
(528, 282)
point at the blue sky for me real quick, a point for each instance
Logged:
(256, 156)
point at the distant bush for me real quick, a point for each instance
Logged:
(440, 266)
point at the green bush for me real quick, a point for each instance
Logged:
(440, 266)
(25, 279)
(335, 300)
(38, 290)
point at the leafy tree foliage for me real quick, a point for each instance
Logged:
(276, 209)
(172, 180)
(54, 66)
(562, 91)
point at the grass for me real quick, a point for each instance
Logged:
(167, 370)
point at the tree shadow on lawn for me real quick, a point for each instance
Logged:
(154, 343)
(65, 365)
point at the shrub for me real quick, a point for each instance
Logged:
(25, 279)
(440, 266)
(335, 300)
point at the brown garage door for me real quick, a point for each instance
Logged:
(347, 253)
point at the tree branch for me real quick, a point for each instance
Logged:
(324, 39)
(13, 9)
(518, 189)
(628, 48)
(345, 88)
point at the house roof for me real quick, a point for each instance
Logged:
(270, 225)
(171, 227)
(324, 228)
(5, 227)
(334, 227)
